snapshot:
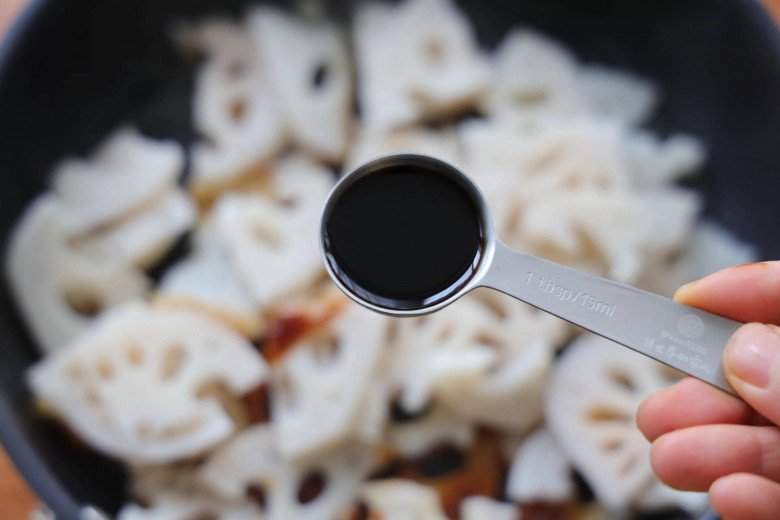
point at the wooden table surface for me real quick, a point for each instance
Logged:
(16, 499)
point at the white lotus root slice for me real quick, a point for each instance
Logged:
(58, 288)
(146, 236)
(370, 144)
(434, 70)
(484, 357)
(399, 499)
(233, 106)
(310, 74)
(125, 172)
(271, 239)
(535, 78)
(136, 385)
(617, 94)
(653, 161)
(323, 385)
(205, 281)
(540, 471)
(547, 161)
(484, 508)
(252, 461)
(592, 397)
(594, 230)
(437, 427)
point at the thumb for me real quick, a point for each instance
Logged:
(751, 362)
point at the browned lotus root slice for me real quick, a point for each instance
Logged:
(322, 387)
(252, 461)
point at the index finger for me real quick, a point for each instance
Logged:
(746, 293)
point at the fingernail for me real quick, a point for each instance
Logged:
(685, 292)
(750, 354)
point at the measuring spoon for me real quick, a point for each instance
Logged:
(406, 235)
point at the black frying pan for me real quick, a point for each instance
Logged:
(73, 69)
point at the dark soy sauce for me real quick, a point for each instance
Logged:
(403, 237)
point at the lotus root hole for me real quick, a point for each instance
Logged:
(327, 348)
(494, 306)
(84, 304)
(320, 76)
(105, 369)
(311, 487)
(488, 340)
(622, 379)
(445, 333)
(172, 361)
(256, 494)
(441, 461)
(238, 108)
(604, 414)
(264, 233)
(135, 355)
(434, 50)
(288, 202)
(360, 511)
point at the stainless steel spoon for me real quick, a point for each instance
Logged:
(683, 337)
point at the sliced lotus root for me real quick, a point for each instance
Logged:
(370, 144)
(484, 357)
(611, 232)
(550, 160)
(271, 240)
(540, 471)
(484, 508)
(251, 464)
(399, 499)
(434, 70)
(58, 288)
(617, 94)
(206, 281)
(124, 173)
(138, 384)
(233, 106)
(415, 436)
(322, 386)
(653, 162)
(534, 78)
(310, 74)
(145, 237)
(594, 391)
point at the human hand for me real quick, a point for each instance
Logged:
(704, 439)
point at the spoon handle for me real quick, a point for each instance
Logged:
(683, 337)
